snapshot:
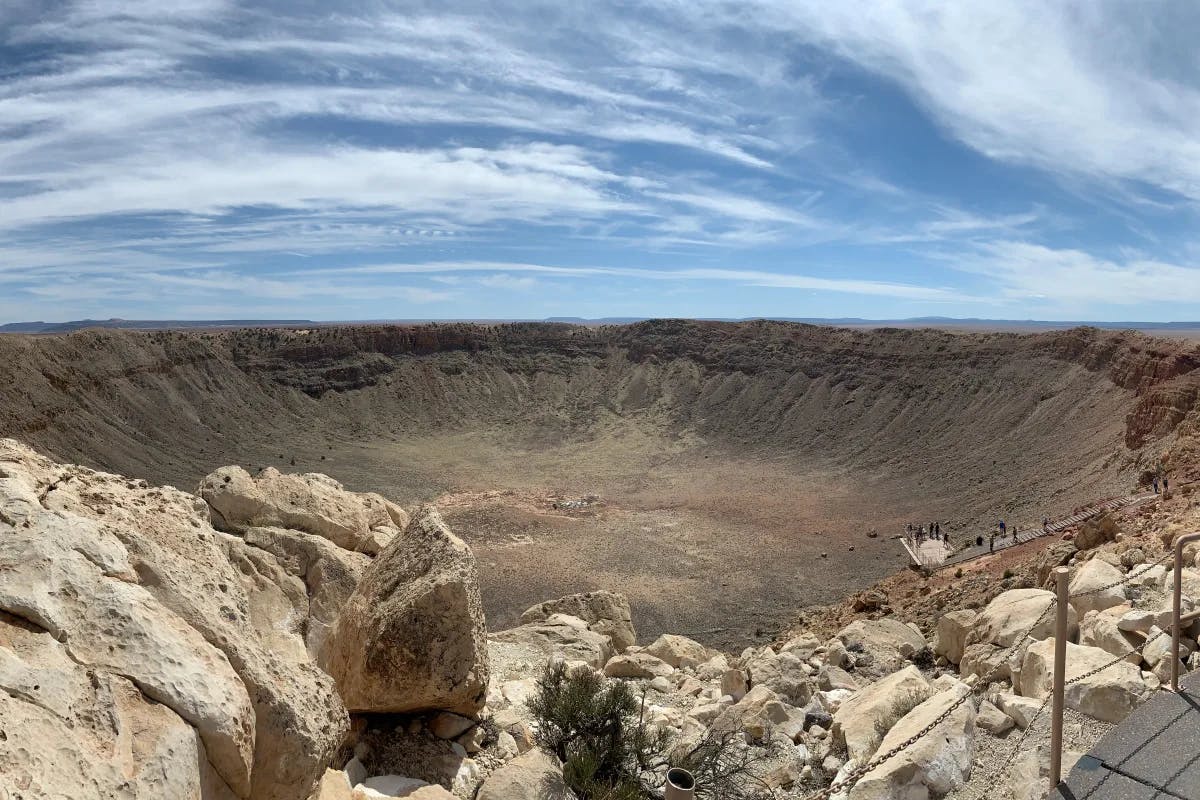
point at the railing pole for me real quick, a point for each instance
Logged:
(1061, 576)
(1177, 602)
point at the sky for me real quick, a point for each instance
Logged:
(367, 159)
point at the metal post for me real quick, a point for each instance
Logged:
(680, 785)
(1061, 576)
(1176, 622)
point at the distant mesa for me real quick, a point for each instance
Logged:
(972, 323)
(146, 324)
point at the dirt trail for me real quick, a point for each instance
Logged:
(728, 457)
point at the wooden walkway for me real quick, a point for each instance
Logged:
(1154, 754)
(1056, 526)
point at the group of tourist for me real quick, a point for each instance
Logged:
(919, 533)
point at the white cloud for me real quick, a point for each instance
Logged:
(1072, 278)
(1096, 89)
(739, 276)
(155, 149)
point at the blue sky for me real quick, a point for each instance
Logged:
(368, 159)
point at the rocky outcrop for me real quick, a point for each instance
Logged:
(312, 503)
(1014, 613)
(1096, 586)
(862, 721)
(1108, 695)
(533, 776)
(604, 612)
(884, 644)
(412, 636)
(140, 591)
(936, 764)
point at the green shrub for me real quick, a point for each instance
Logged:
(597, 728)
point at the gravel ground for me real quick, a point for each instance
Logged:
(997, 767)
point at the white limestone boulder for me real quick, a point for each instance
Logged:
(678, 650)
(1102, 629)
(1092, 588)
(605, 612)
(936, 764)
(535, 775)
(560, 636)
(862, 720)
(637, 665)
(950, 637)
(886, 643)
(1108, 696)
(1012, 614)
(412, 636)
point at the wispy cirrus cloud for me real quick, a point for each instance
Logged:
(889, 158)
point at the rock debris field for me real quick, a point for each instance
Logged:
(389, 534)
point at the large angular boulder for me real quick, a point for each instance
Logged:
(65, 728)
(560, 636)
(329, 574)
(678, 650)
(312, 502)
(1013, 614)
(862, 721)
(605, 612)
(1096, 586)
(412, 636)
(782, 673)
(953, 628)
(937, 764)
(1100, 629)
(637, 665)
(880, 646)
(139, 586)
(1108, 696)
(535, 775)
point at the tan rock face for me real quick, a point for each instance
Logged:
(888, 643)
(411, 637)
(142, 589)
(604, 612)
(1108, 695)
(937, 764)
(312, 503)
(533, 776)
(864, 719)
(952, 630)
(1012, 613)
(68, 733)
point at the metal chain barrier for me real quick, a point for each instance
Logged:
(850, 778)
(1016, 748)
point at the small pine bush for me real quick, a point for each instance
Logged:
(596, 728)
